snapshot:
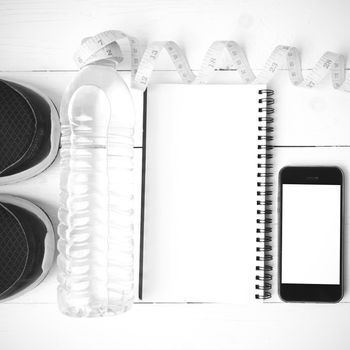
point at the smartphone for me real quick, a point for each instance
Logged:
(311, 204)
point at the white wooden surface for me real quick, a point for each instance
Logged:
(37, 39)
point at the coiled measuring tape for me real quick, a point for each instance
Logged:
(105, 46)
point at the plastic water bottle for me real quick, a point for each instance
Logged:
(95, 262)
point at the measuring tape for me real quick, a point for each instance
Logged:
(104, 46)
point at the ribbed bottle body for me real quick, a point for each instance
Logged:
(95, 262)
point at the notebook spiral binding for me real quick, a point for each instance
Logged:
(264, 197)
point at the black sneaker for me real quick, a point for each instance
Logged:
(29, 132)
(27, 246)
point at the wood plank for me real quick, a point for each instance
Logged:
(302, 116)
(53, 85)
(43, 190)
(185, 327)
(42, 35)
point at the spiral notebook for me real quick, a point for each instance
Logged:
(206, 193)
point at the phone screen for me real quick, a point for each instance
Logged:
(311, 234)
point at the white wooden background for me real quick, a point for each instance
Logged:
(37, 39)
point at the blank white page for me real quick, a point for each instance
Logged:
(200, 193)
